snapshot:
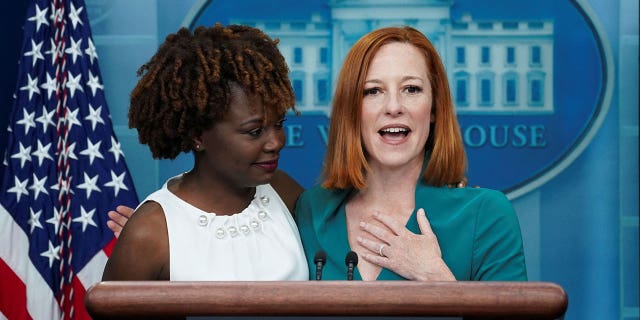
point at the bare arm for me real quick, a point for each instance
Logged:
(288, 189)
(142, 250)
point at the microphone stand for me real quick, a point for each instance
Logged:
(319, 259)
(351, 260)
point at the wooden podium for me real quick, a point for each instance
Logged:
(163, 299)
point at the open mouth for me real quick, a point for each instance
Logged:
(394, 132)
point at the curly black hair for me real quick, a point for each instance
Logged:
(184, 88)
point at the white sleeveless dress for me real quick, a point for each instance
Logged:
(260, 243)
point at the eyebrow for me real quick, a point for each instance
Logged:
(405, 78)
(252, 120)
(260, 120)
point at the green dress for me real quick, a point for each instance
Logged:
(477, 229)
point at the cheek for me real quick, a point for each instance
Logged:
(366, 134)
(370, 108)
(367, 117)
(281, 136)
(367, 128)
(425, 117)
(428, 111)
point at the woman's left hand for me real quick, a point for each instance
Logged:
(412, 256)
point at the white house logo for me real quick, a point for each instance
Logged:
(531, 81)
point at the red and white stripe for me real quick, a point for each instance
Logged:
(30, 297)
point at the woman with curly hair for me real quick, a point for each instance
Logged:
(221, 93)
(394, 154)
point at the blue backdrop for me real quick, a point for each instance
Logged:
(569, 160)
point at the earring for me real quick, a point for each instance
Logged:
(197, 147)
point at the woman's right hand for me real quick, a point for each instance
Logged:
(412, 256)
(118, 219)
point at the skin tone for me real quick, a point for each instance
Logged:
(234, 156)
(396, 112)
(119, 217)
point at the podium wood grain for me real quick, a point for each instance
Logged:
(155, 299)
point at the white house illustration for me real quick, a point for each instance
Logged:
(494, 67)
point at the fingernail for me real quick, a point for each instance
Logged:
(362, 224)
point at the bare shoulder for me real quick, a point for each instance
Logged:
(148, 224)
(288, 189)
(142, 250)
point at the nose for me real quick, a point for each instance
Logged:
(393, 105)
(274, 140)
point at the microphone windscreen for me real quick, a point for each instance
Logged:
(351, 258)
(320, 256)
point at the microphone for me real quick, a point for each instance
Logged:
(351, 260)
(319, 260)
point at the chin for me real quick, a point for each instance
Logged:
(397, 161)
(264, 179)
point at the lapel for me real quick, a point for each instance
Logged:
(331, 230)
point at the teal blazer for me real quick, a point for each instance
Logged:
(477, 229)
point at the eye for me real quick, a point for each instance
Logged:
(413, 89)
(371, 91)
(280, 123)
(255, 132)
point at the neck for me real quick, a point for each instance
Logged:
(397, 183)
(213, 194)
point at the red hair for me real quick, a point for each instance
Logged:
(345, 163)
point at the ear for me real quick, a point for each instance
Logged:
(197, 144)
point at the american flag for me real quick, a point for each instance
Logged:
(62, 171)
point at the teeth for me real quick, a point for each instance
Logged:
(394, 130)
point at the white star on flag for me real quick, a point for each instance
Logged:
(89, 184)
(24, 155)
(50, 85)
(58, 87)
(27, 120)
(74, 50)
(46, 119)
(55, 219)
(20, 187)
(86, 218)
(68, 153)
(72, 119)
(52, 51)
(38, 186)
(42, 152)
(91, 51)
(39, 17)
(73, 83)
(74, 15)
(52, 254)
(32, 86)
(94, 116)
(94, 83)
(35, 52)
(34, 220)
(92, 150)
(115, 149)
(117, 182)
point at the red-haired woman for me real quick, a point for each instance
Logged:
(394, 150)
